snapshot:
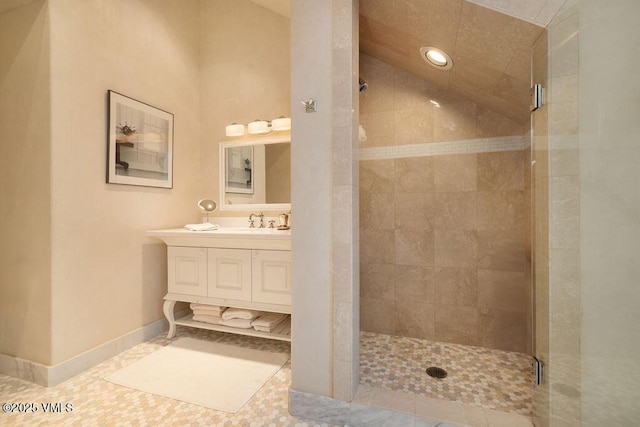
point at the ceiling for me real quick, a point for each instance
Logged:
(281, 7)
(6, 5)
(490, 50)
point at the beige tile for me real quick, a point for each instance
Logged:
(456, 286)
(455, 211)
(501, 210)
(412, 91)
(377, 280)
(413, 283)
(492, 124)
(563, 118)
(455, 121)
(455, 172)
(513, 90)
(435, 21)
(378, 315)
(376, 211)
(415, 320)
(503, 330)
(414, 247)
(377, 176)
(475, 73)
(457, 324)
(380, 93)
(380, 128)
(413, 126)
(564, 162)
(501, 250)
(506, 419)
(456, 248)
(501, 171)
(439, 409)
(414, 211)
(414, 175)
(394, 13)
(503, 290)
(392, 38)
(377, 247)
(393, 399)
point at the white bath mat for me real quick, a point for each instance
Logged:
(209, 374)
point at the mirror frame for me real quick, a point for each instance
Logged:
(223, 206)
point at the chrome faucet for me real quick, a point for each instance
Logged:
(252, 221)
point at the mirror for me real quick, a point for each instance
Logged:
(255, 174)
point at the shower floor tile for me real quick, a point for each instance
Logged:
(487, 378)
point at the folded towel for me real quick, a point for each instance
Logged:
(236, 323)
(213, 310)
(206, 318)
(205, 226)
(195, 305)
(269, 320)
(207, 312)
(240, 313)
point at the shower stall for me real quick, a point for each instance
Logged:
(445, 214)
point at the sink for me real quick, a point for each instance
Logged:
(247, 230)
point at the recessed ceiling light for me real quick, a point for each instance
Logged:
(436, 57)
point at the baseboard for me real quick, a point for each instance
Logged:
(52, 375)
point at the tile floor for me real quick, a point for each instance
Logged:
(97, 402)
(490, 379)
(477, 376)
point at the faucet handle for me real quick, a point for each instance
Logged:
(252, 223)
(271, 222)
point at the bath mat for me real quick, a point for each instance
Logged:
(204, 373)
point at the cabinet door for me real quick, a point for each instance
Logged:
(187, 270)
(271, 277)
(229, 273)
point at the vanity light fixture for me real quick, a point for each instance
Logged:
(436, 57)
(259, 127)
(234, 129)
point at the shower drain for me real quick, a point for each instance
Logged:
(436, 372)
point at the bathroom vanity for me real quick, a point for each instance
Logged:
(239, 267)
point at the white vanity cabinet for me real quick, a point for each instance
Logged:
(187, 270)
(246, 269)
(229, 274)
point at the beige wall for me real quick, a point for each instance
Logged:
(245, 74)
(92, 275)
(107, 277)
(442, 237)
(25, 228)
(609, 235)
(278, 173)
(311, 159)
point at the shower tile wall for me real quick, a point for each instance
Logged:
(442, 253)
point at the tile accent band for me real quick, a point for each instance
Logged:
(467, 146)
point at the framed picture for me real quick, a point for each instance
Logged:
(140, 145)
(239, 170)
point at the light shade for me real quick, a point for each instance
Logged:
(234, 129)
(281, 123)
(258, 127)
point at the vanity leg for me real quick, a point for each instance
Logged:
(167, 308)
